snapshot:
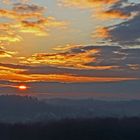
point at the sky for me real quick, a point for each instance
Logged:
(70, 48)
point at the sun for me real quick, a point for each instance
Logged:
(22, 87)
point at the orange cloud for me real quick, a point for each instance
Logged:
(15, 77)
(18, 75)
(102, 10)
(111, 14)
(10, 38)
(101, 32)
(79, 60)
(66, 47)
(31, 21)
(25, 18)
(4, 69)
(12, 1)
(71, 60)
(68, 59)
(40, 27)
(4, 54)
(87, 3)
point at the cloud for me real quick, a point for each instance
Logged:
(76, 58)
(17, 75)
(80, 64)
(66, 59)
(26, 8)
(30, 17)
(58, 78)
(127, 32)
(101, 32)
(102, 9)
(93, 61)
(113, 14)
(87, 3)
(82, 70)
(24, 17)
(14, 1)
(39, 27)
(124, 30)
(10, 38)
(4, 53)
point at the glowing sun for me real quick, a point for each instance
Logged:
(22, 87)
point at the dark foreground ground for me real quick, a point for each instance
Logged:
(79, 129)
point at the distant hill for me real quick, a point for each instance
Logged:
(29, 109)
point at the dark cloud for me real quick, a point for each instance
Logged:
(127, 32)
(26, 8)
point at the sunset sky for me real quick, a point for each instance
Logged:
(70, 48)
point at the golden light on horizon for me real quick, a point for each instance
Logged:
(22, 87)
